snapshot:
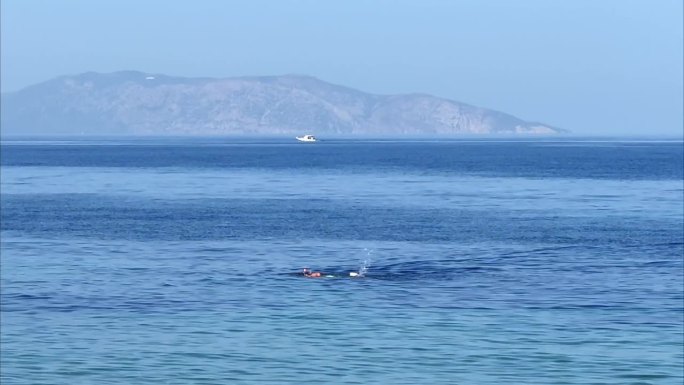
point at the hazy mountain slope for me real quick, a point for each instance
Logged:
(130, 102)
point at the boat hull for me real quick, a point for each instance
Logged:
(306, 138)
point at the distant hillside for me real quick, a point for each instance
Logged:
(133, 103)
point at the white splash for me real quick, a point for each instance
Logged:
(366, 263)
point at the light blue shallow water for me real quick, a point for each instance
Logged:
(490, 262)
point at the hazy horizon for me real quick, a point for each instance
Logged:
(601, 69)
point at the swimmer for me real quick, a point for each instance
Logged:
(311, 274)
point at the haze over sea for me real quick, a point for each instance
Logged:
(174, 261)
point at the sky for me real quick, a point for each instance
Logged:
(608, 67)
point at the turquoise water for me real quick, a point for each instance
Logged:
(489, 262)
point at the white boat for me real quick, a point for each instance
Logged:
(306, 138)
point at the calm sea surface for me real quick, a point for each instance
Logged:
(488, 262)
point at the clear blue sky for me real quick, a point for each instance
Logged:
(606, 67)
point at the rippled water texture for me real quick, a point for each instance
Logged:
(489, 262)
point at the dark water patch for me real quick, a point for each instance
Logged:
(144, 303)
(621, 161)
(27, 297)
(109, 217)
(427, 270)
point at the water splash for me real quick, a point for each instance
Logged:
(366, 263)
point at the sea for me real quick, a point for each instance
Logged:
(479, 261)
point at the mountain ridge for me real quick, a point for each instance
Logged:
(139, 103)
